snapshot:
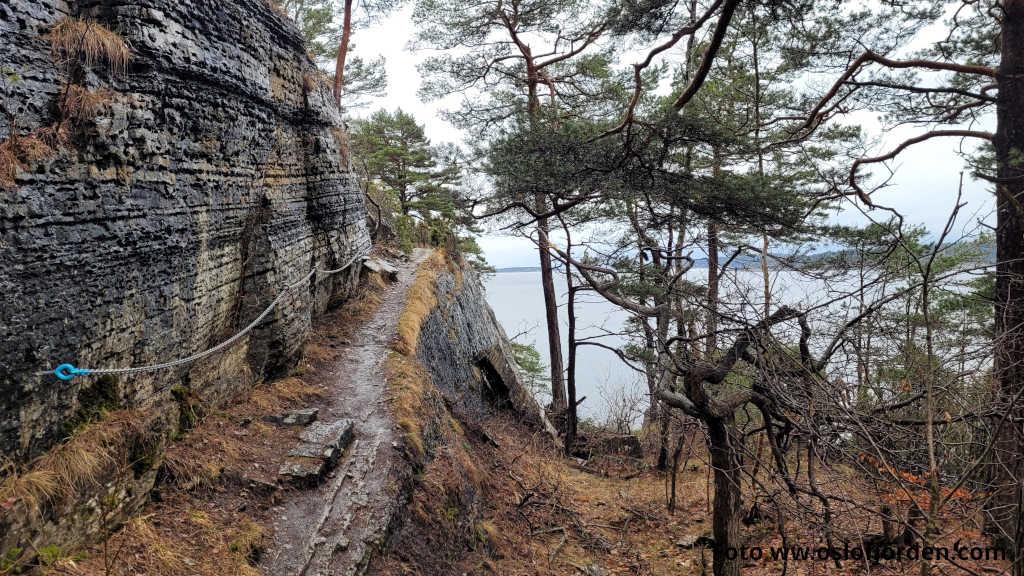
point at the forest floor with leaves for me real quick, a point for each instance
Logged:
(546, 514)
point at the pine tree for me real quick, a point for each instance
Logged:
(423, 179)
(523, 60)
(354, 78)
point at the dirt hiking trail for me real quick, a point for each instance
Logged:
(328, 530)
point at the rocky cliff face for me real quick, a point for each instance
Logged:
(213, 175)
(467, 354)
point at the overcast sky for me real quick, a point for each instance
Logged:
(923, 189)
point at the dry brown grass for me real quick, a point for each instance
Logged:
(248, 538)
(187, 470)
(71, 40)
(79, 462)
(76, 466)
(9, 163)
(455, 269)
(156, 548)
(90, 43)
(219, 441)
(319, 351)
(408, 383)
(32, 488)
(79, 104)
(198, 527)
(18, 150)
(543, 514)
(369, 300)
(73, 466)
(194, 543)
(422, 298)
(38, 144)
(278, 394)
(547, 516)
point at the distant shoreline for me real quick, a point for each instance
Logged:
(746, 262)
(699, 263)
(517, 269)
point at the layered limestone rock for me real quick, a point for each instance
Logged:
(469, 361)
(213, 175)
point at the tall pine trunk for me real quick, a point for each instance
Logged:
(1008, 472)
(558, 401)
(571, 416)
(570, 380)
(339, 64)
(712, 301)
(713, 279)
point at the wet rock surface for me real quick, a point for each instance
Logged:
(303, 417)
(386, 269)
(302, 471)
(467, 353)
(321, 447)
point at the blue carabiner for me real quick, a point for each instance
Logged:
(67, 371)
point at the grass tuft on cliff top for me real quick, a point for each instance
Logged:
(409, 384)
(422, 298)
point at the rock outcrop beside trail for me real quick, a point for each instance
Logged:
(213, 174)
(469, 380)
(466, 351)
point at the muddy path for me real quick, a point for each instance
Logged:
(328, 530)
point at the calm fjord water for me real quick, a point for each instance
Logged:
(518, 303)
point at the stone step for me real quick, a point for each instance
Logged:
(386, 269)
(303, 417)
(318, 452)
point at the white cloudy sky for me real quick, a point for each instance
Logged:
(923, 189)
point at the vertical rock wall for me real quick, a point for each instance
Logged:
(214, 175)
